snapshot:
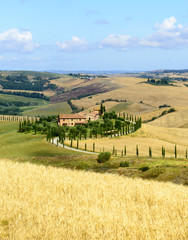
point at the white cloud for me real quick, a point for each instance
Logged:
(167, 35)
(168, 23)
(118, 41)
(1, 58)
(15, 40)
(74, 45)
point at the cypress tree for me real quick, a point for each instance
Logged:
(125, 150)
(113, 150)
(137, 151)
(77, 144)
(122, 153)
(93, 147)
(175, 151)
(85, 147)
(150, 152)
(57, 142)
(186, 154)
(71, 143)
(163, 152)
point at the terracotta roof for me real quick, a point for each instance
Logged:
(71, 116)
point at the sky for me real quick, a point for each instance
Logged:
(97, 35)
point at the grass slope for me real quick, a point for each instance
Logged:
(17, 145)
(5, 97)
(147, 136)
(177, 119)
(134, 90)
(50, 109)
(50, 203)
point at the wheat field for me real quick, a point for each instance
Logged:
(40, 202)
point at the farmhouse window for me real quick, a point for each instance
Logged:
(71, 119)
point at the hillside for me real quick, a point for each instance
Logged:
(177, 119)
(147, 136)
(50, 203)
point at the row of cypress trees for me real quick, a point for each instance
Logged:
(124, 151)
(16, 118)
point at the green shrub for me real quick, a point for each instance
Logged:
(103, 157)
(144, 168)
(124, 164)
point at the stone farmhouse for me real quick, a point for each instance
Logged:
(71, 120)
(92, 116)
(78, 119)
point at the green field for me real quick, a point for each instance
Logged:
(16, 145)
(120, 107)
(50, 109)
(8, 97)
(30, 73)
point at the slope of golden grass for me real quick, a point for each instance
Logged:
(134, 90)
(50, 203)
(175, 119)
(147, 136)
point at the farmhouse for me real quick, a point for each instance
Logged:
(92, 116)
(78, 119)
(71, 119)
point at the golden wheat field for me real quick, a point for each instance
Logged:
(40, 202)
(147, 136)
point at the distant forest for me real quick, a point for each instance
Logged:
(22, 82)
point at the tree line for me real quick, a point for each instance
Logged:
(110, 126)
(27, 94)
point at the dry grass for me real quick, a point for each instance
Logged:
(49, 203)
(175, 119)
(147, 136)
(133, 90)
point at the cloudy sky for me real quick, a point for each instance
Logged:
(93, 35)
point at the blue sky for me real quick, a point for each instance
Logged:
(93, 35)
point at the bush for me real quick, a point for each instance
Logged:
(144, 168)
(103, 157)
(124, 164)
